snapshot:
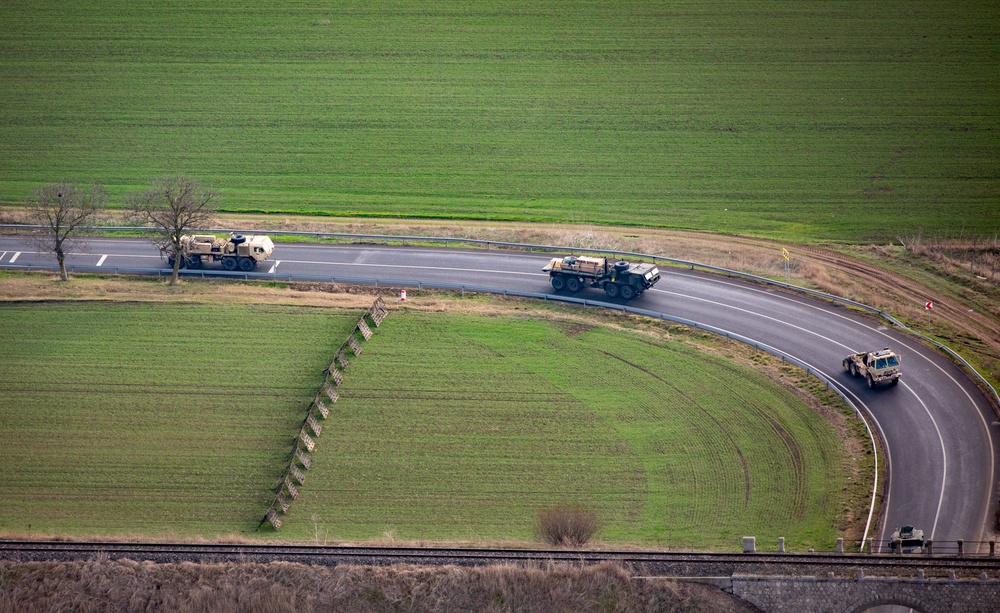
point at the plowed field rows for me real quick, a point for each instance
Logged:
(161, 420)
(795, 120)
(175, 420)
(462, 428)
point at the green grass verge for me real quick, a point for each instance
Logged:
(801, 121)
(175, 419)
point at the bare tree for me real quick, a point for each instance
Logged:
(173, 206)
(62, 208)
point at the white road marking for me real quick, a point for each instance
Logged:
(481, 270)
(756, 314)
(101, 261)
(989, 437)
(944, 456)
(3, 254)
(13, 259)
(858, 402)
(274, 267)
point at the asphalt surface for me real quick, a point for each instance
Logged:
(941, 434)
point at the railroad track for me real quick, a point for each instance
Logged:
(674, 564)
(985, 328)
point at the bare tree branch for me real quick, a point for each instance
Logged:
(173, 206)
(62, 208)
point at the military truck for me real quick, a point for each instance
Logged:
(234, 251)
(907, 539)
(876, 367)
(572, 273)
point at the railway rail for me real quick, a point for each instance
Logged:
(986, 328)
(674, 564)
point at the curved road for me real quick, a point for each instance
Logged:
(942, 435)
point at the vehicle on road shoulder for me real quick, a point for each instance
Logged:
(877, 367)
(617, 279)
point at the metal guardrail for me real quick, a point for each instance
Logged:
(273, 277)
(569, 299)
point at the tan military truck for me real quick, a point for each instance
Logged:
(876, 367)
(234, 251)
(617, 279)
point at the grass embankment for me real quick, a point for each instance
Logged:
(797, 121)
(174, 420)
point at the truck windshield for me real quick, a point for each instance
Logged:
(886, 362)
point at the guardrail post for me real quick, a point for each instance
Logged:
(961, 546)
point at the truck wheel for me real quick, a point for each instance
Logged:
(194, 261)
(854, 369)
(621, 266)
(627, 292)
(229, 263)
(170, 261)
(871, 382)
(573, 285)
(895, 381)
(247, 264)
(558, 283)
(239, 239)
(611, 289)
(847, 366)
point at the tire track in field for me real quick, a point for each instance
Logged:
(799, 508)
(739, 452)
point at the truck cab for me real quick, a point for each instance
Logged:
(876, 367)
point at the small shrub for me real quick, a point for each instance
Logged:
(567, 526)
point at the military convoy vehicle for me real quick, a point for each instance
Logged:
(876, 367)
(617, 279)
(907, 539)
(234, 251)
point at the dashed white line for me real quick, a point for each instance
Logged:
(101, 261)
(13, 259)
(754, 313)
(274, 267)
(944, 458)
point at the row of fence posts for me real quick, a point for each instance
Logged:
(305, 444)
(750, 546)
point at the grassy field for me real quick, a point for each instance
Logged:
(174, 420)
(802, 121)
(163, 420)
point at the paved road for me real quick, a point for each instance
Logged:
(941, 433)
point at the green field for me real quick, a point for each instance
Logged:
(174, 420)
(804, 120)
(155, 420)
